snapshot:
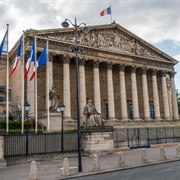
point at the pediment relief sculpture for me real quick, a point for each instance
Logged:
(113, 41)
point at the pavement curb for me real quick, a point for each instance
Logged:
(117, 169)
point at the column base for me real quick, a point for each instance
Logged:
(168, 119)
(3, 163)
(148, 119)
(137, 119)
(158, 119)
(112, 119)
(124, 119)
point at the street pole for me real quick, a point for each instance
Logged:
(27, 134)
(62, 134)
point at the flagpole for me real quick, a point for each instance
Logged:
(47, 87)
(22, 100)
(35, 81)
(7, 83)
(111, 13)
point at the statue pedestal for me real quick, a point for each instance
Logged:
(55, 120)
(98, 140)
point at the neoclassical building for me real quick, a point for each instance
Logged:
(125, 76)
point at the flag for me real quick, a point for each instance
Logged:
(31, 58)
(19, 54)
(106, 11)
(3, 46)
(41, 61)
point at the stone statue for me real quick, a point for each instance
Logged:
(54, 98)
(93, 118)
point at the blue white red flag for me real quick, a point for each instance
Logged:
(31, 58)
(41, 61)
(19, 54)
(106, 11)
(3, 46)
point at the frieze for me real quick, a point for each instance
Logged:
(113, 40)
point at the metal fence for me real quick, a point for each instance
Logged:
(46, 143)
(40, 143)
(144, 137)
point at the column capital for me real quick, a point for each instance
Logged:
(51, 56)
(96, 63)
(133, 69)
(163, 73)
(27, 53)
(82, 61)
(66, 59)
(172, 74)
(154, 72)
(122, 67)
(144, 70)
(109, 65)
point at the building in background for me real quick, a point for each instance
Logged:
(125, 76)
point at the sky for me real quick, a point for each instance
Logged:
(155, 21)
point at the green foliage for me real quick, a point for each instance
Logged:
(17, 124)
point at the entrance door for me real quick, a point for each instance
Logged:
(151, 111)
(131, 111)
(107, 111)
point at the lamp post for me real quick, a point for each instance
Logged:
(76, 48)
(61, 109)
(27, 107)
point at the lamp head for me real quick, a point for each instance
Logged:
(26, 106)
(65, 24)
(85, 29)
(61, 108)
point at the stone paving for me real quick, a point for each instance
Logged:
(51, 169)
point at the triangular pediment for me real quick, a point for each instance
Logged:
(113, 38)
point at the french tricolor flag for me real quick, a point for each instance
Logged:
(19, 54)
(31, 58)
(41, 61)
(106, 11)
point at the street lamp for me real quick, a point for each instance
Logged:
(27, 107)
(61, 109)
(75, 48)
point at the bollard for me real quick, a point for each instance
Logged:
(96, 166)
(178, 151)
(162, 154)
(143, 157)
(121, 162)
(33, 171)
(65, 170)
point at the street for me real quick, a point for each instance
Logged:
(166, 171)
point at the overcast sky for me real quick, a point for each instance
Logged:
(156, 21)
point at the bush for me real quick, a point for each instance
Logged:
(17, 124)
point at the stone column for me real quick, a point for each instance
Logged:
(66, 88)
(82, 86)
(134, 94)
(124, 115)
(155, 95)
(97, 94)
(174, 97)
(145, 94)
(168, 80)
(165, 96)
(110, 89)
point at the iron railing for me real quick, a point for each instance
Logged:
(144, 137)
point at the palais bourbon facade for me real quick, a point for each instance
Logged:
(126, 77)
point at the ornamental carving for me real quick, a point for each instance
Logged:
(113, 40)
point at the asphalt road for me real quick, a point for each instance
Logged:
(166, 171)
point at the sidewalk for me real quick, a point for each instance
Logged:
(50, 169)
